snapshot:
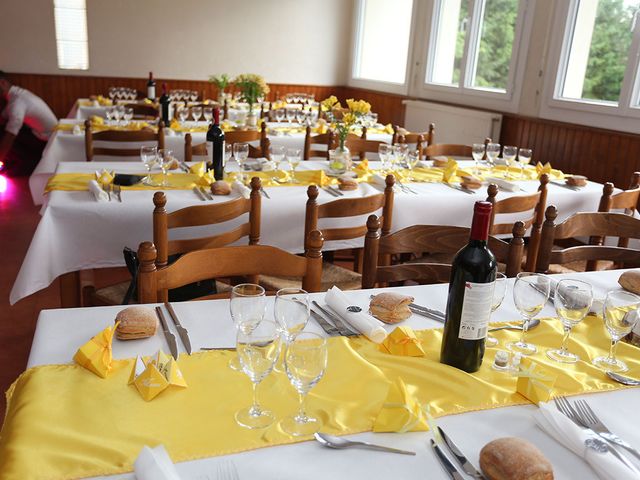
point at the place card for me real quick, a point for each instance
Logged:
(153, 375)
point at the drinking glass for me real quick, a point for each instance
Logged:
(193, 96)
(280, 115)
(241, 153)
(477, 152)
(413, 157)
(294, 155)
(208, 114)
(128, 115)
(509, 154)
(120, 111)
(257, 348)
(109, 114)
(399, 158)
(384, 152)
(620, 312)
(305, 362)
(524, 158)
(149, 157)
(291, 311)
(228, 153)
(183, 113)
(290, 114)
(115, 113)
(493, 150)
(572, 300)
(301, 116)
(530, 293)
(196, 112)
(247, 306)
(276, 153)
(499, 290)
(165, 159)
(112, 93)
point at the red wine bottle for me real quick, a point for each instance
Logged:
(473, 275)
(165, 101)
(215, 145)
(151, 87)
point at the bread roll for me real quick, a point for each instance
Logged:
(220, 187)
(513, 458)
(440, 161)
(469, 181)
(347, 183)
(136, 322)
(577, 180)
(630, 281)
(390, 307)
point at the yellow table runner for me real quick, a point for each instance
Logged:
(64, 422)
(101, 127)
(80, 181)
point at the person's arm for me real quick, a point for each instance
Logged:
(15, 117)
(5, 144)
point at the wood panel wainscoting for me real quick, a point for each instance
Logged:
(600, 154)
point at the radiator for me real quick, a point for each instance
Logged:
(453, 124)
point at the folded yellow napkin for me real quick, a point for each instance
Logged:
(104, 101)
(152, 375)
(147, 101)
(174, 125)
(388, 128)
(96, 120)
(542, 169)
(534, 382)
(401, 411)
(402, 341)
(96, 354)
(104, 177)
(199, 169)
(450, 170)
(362, 167)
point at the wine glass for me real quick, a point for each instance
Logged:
(572, 300)
(290, 114)
(499, 289)
(196, 112)
(241, 153)
(301, 116)
(183, 113)
(128, 115)
(165, 159)
(112, 93)
(149, 157)
(208, 114)
(493, 150)
(109, 114)
(620, 312)
(120, 110)
(294, 155)
(276, 154)
(116, 113)
(384, 152)
(413, 157)
(399, 155)
(228, 153)
(258, 348)
(280, 115)
(477, 152)
(305, 362)
(247, 306)
(193, 95)
(291, 311)
(524, 158)
(509, 154)
(530, 293)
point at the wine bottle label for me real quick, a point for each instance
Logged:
(476, 309)
(151, 93)
(209, 148)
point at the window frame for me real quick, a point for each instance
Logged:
(58, 40)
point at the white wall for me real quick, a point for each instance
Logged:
(287, 41)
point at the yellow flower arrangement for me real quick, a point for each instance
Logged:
(356, 110)
(330, 103)
(252, 87)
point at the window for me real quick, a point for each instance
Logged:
(472, 44)
(71, 34)
(382, 44)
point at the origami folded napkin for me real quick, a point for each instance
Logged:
(152, 375)
(534, 383)
(402, 341)
(450, 170)
(96, 354)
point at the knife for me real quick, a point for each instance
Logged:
(326, 326)
(466, 465)
(330, 191)
(206, 194)
(455, 187)
(170, 337)
(342, 328)
(184, 334)
(199, 193)
(446, 463)
(264, 192)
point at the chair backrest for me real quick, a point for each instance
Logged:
(450, 150)
(587, 224)
(200, 149)
(360, 147)
(250, 260)
(421, 140)
(142, 110)
(114, 136)
(348, 207)
(534, 203)
(329, 140)
(200, 215)
(432, 239)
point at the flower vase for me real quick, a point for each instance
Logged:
(252, 120)
(339, 161)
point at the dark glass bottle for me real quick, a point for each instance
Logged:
(151, 87)
(165, 101)
(473, 274)
(215, 146)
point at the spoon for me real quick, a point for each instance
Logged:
(622, 379)
(532, 324)
(338, 443)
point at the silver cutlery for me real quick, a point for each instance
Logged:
(227, 471)
(206, 194)
(170, 337)
(199, 194)
(184, 334)
(532, 324)
(218, 348)
(118, 191)
(107, 190)
(330, 191)
(332, 441)
(264, 192)
(335, 190)
(446, 463)
(464, 463)
(404, 188)
(339, 324)
(622, 379)
(326, 326)
(456, 187)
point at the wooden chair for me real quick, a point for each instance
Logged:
(118, 136)
(535, 203)
(450, 150)
(421, 140)
(329, 140)
(144, 111)
(432, 238)
(333, 274)
(251, 260)
(583, 224)
(360, 146)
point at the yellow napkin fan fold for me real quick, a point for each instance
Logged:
(152, 375)
(402, 341)
(97, 354)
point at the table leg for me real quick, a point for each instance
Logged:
(70, 290)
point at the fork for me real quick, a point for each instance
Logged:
(118, 192)
(592, 421)
(227, 471)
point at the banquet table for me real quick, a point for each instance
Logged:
(77, 233)
(60, 332)
(65, 146)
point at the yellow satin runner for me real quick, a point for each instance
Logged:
(132, 126)
(80, 181)
(63, 422)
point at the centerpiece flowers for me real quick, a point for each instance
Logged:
(343, 121)
(252, 90)
(221, 81)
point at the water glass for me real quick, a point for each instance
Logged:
(183, 113)
(413, 157)
(530, 293)
(294, 155)
(149, 157)
(305, 362)
(572, 300)
(620, 313)
(290, 114)
(247, 306)
(276, 155)
(280, 115)
(257, 349)
(493, 150)
(509, 154)
(384, 152)
(128, 115)
(499, 289)
(291, 311)
(524, 158)
(208, 114)
(477, 152)
(399, 158)
(165, 159)
(196, 113)
(241, 153)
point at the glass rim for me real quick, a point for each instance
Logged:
(620, 294)
(313, 335)
(261, 292)
(290, 291)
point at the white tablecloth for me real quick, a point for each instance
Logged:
(60, 332)
(64, 146)
(77, 233)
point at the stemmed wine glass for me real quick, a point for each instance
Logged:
(305, 362)
(241, 153)
(120, 111)
(413, 157)
(400, 152)
(509, 154)
(291, 311)
(384, 152)
(149, 157)
(499, 290)
(280, 115)
(109, 114)
(247, 306)
(208, 114)
(493, 150)
(183, 113)
(290, 114)
(530, 293)
(128, 115)
(258, 348)
(276, 153)
(572, 300)
(524, 158)
(294, 155)
(620, 312)
(301, 116)
(196, 112)
(165, 159)
(116, 114)
(477, 152)
(228, 153)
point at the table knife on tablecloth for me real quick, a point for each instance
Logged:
(466, 465)
(184, 334)
(170, 337)
(446, 463)
(326, 326)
